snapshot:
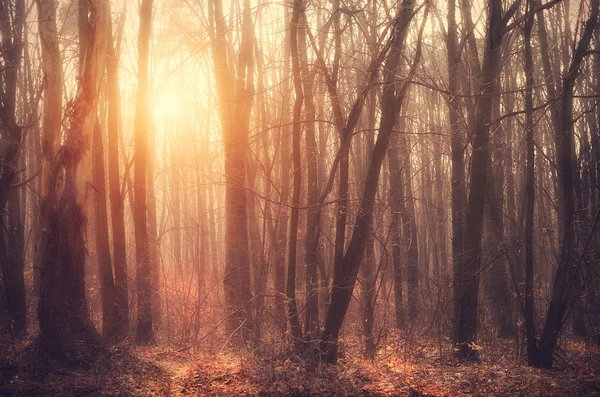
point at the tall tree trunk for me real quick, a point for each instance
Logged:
(176, 205)
(343, 183)
(235, 97)
(499, 290)
(144, 330)
(284, 175)
(409, 224)
(296, 132)
(367, 268)
(262, 252)
(324, 271)
(466, 296)
(34, 161)
(62, 312)
(154, 256)
(12, 254)
(593, 291)
(562, 290)
(12, 261)
(311, 321)
(117, 208)
(458, 187)
(107, 286)
(442, 268)
(529, 188)
(368, 274)
(397, 206)
(346, 271)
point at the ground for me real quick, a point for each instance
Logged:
(399, 370)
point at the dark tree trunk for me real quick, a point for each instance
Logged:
(466, 297)
(346, 271)
(343, 183)
(409, 224)
(144, 330)
(593, 295)
(262, 270)
(324, 272)
(562, 290)
(284, 175)
(368, 296)
(257, 255)
(297, 166)
(107, 284)
(442, 267)
(65, 325)
(397, 205)
(499, 291)
(116, 199)
(152, 224)
(12, 261)
(12, 254)
(175, 209)
(368, 269)
(457, 139)
(529, 188)
(313, 213)
(235, 89)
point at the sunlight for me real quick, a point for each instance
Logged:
(168, 106)
(303, 197)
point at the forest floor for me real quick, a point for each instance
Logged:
(399, 370)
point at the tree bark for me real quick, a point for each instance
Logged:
(284, 176)
(529, 188)
(562, 289)
(12, 247)
(116, 199)
(144, 329)
(235, 89)
(346, 271)
(62, 312)
(499, 290)
(311, 320)
(107, 286)
(465, 297)
(409, 224)
(457, 138)
(296, 132)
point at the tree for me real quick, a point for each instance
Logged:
(234, 81)
(456, 121)
(296, 131)
(345, 272)
(12, 254)
(466, 291)
(529, 186)
(62, 312)
(144, 331)
(403, 192)
(116, 199)
(284, 175)
(311, 323)
(107, 286)
(498, 287)
(563, 287)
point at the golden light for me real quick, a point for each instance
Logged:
(168, 106)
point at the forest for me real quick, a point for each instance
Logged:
(300, 197)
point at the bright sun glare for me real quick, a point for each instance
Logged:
(168, 106)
